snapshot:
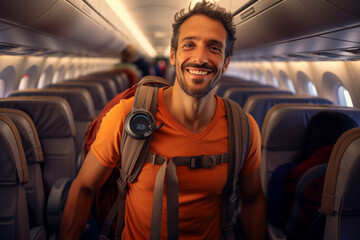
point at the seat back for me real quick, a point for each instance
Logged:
(14, 223)
(80, 102)
(224, 85)
(341, 196)
(258, 105)
(34, 158)
(55, 126)
(121, 79)
(240, 94)
(96, 91)
(108, 84)
(283, 132)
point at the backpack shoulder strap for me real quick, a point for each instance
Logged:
(239, 141)
(154, 81)
(134, 157)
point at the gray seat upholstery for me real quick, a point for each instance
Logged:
(34, 158)
(341, 196)
(108, 84)
(258, 105)
(55, 126)
(224, 85)
(14, 222)
(120, 80)
(13, 176)
(96, 91)
(80, 102)
(283, 133)
(241, 94)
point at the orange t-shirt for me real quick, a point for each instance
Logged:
(200, 190)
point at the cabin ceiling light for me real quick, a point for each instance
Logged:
(128, 21)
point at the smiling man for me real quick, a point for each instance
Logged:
(200, 56)
(194, 123)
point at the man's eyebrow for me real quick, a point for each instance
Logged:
(188, 38)
(211, 41)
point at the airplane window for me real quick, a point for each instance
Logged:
(2, 86)
(70, 72)
(24, 82)
(253, 75)
(290, 85)
(344, 97)
(286, 83)
(56, 77)
(42, 80)
(77, 73)
(59, 75)
(68, 75)
(272, 79)
(304, 85)
(86, 69)
(261, 77)
(311, 89)
(45, 77)
(247, 74)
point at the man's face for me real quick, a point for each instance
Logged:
(200, 57)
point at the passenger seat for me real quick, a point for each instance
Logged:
(34, 158)
(81, 105)
(241, 95)
(96, 91)
(55, 126)
(341, 195)
(14, 221)
(108, 85)
(283, 133)
(258, 105)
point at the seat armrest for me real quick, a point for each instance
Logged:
(56, 203)
(308, 177)
(37, 233)
(275, 233)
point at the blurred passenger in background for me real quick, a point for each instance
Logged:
(132, 59)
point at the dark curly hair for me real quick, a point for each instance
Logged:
(212, 11)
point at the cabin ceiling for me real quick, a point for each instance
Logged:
(155, 18)
(266, 29)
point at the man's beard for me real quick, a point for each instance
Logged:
(200, 92)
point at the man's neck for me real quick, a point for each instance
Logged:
(195, 114)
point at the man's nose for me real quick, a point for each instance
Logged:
(200, 56)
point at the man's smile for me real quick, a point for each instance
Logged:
(198, 72)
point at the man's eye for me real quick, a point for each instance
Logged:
(188, 45)
(215, 49)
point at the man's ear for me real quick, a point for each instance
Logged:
(172, 56)
(226, 64)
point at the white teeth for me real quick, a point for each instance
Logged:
(198, 72)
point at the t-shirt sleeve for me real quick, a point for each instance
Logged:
(106, 146)
(253, 160)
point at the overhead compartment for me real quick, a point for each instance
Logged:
(69, 27)
(278, 28)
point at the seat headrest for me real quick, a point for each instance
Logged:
(258, 105)
(52, 116)
(96, 91)
(344, 165)
(79, 99)
(240, 95)
(285, 124)
(28, 133)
